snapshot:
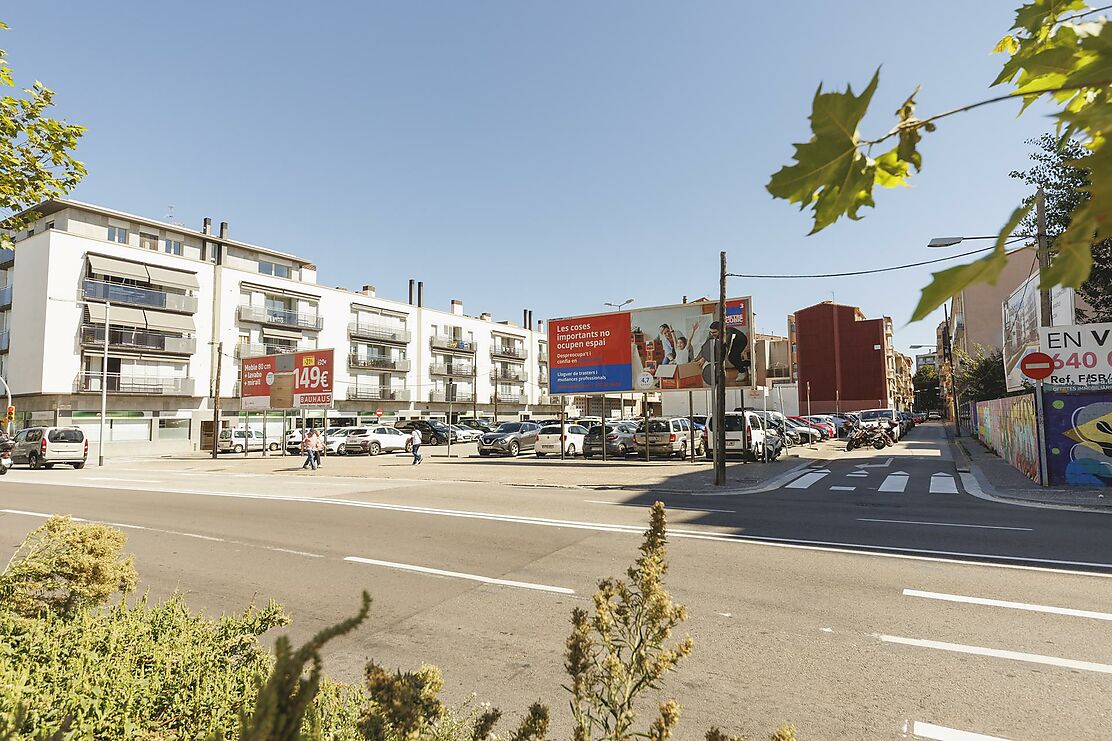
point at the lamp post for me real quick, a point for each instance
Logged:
(622, 396)
(103, 369)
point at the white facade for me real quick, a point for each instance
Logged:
(178, 295)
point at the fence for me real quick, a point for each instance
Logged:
(1009, 427)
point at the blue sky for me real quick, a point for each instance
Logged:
(550, 156)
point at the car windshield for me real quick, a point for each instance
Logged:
(509, 427)
(734, 423)
(874, 414)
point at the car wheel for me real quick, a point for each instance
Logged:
(409, 446)
(587, 456)
(683, 450)
(48, 466)
(34, 462)
(274, 446)
(79, 466)
(374, 449)
(623, 451)
(540, 454)
(514, 449)
(237, 449)
(571, 450)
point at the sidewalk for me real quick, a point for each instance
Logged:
(1001, 481)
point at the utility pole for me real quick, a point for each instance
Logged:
(948, 355)
(1044, 256)
(216, 400)
(720, 379)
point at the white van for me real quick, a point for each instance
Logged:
(236, 441)
(746, 435)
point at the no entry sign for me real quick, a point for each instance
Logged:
(1037, 366)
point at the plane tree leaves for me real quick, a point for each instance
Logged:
(1058, 50)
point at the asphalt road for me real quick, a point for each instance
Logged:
(854, 614)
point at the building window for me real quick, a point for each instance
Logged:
(50, 225)
(148, 241)
(172, 246)
(273, 268)
(117, 234)
(173, 429)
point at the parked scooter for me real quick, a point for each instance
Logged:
(6, 445)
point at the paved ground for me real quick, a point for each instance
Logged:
(854, 613)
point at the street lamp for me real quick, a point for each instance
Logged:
(103, 369)
(622, 396)
(951, 241)
(618, 307)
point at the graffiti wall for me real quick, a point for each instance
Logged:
(1078, 438)
(1010, 428)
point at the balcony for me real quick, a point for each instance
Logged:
(542, 377)
(378, 362)
(5, 297)
(281, 318)
(442, 342)
(119, 383)
(376, 393)
(93, 335)
(509, 374)
(508, 351)
(7, 258)
(459, 370)
(515, 398)
(3, 340)
(455, 396)
(379, 332)
(252, 350)
(542, 354)
(150, 298)
(548, 400)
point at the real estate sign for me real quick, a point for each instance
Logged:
(291, 381)
(662, 348)
(1082, 354)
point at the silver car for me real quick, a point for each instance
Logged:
(42, 447)
(510, 439)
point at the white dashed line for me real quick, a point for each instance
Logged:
(1088, 666)
(460, 575)
(1071, 612)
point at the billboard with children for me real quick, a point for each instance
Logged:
(663, 348)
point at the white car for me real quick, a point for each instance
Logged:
(466, 434)
(335, 437)
(236, 441)
(887, 417)
(375, 440)
(548, 440)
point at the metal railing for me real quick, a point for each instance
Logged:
(93, 334)
(119, 383)
(542, 377)
(510, 398)
(379, 332)
(379, 362)
(509, 351)
(455, 395)
(376, 393)
(548, 400)
(280, 317)
(509, 374)
(6, 296)
(451, 343)
(459, 370)
(254, 349)
(150, 298)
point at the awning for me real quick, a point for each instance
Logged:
(284, 334)
(120, 315)
(166, 322)
(176, 278)
(118, 268)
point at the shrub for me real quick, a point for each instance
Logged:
(64, 567)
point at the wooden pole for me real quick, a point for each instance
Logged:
(720, 379)
(216, 400)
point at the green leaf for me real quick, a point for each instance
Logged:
(1074, 259)
(949, 282)
(891, 170)
(1036, 15)
(908, 128)
(830, 174)
(1007, 44)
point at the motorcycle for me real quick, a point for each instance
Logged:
(5, 456)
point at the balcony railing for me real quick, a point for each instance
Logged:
(451, 343)
(542, 354)
(376, 393)
(547, 400)
(378, 362)
(509, 398)
(280, 317)
(508, 351)
(119, 383)
(3, 340)
(459, 370)
(93, 334)
(251, 349)
(5, 297)
(379, 332)
(542, 377)
(150, 298)
(509, 374)
(454, 396)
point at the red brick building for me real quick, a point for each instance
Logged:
(846, 360)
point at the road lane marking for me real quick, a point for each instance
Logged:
(943, 483)
(857, 474)
(919, 729)
(894, 483)
(886, 464)
(1004, 603)
(124, 481)
(686, 509)
(961, 648)
(843, 488)
(944, 524)
(460, 575)
(861, 549)
(807, 479)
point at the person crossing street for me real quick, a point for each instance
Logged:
(415, 438)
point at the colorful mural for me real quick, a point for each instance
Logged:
(1078, 438)
(1010, 428)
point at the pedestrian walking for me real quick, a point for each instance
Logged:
(318, 448)
(308, 447)
(415, 439)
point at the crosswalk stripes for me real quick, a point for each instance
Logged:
(894, 483)
(943, 483)
(807, 479)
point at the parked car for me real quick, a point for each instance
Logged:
(747, 435)
(432, 431)
(619, 440)
(42, 447)
(890, 417)
(335, 438)
(826, 421)
(510, 438)
(823, 430)
(477, 423)
(667, 436)
(375, 440)
(807, 433)
(466, 434)
(238, 440)
(293, 439)
(934, 415)
(548, 440)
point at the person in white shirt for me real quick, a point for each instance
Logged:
(415, 438)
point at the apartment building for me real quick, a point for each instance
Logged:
(772, 358)
(179, 304)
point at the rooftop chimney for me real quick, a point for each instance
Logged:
(420, 293)
(525, 318)
(368, 290)
(412, 283)
(207, 227)
(223, 230)
(485, 316)
(457, 307)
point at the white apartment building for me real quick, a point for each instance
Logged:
(174, 297)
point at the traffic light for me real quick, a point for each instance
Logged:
(11, 413)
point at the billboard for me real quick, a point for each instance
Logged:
(292, 381)
(1082, 355)
(662, 348)
(1021, 319)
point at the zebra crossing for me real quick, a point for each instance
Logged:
(886, 482)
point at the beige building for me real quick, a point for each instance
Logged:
(975, 316)
(772, 359)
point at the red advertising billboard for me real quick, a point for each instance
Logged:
(591, 354)
(292, 381)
